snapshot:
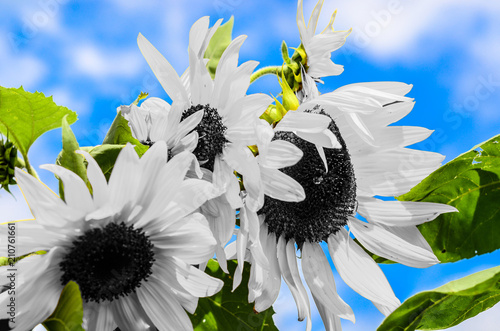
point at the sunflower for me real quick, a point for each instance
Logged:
(318, 48)
(371, 160)
(156, 120)
(129, 246)
(228, 117)
(263, 177)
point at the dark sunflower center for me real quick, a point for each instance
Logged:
(147, 142)
(211, 135)
(108, 263)
(330, 196)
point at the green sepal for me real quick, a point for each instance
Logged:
(105, 156)
(218, 44)
(9, 261)
(284, 53)
(69, 159)
(68, 315)
(8, 162)
(300, 55)
(142, 95)
(120, 134)
(290, 101)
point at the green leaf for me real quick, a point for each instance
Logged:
(68, 315)
(25, 116)
(447, 305)
(470, 183)
(228, 310)
(120, 134)
(105, 156)
(68, 158)
(218, 44)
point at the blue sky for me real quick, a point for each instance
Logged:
(85, 55)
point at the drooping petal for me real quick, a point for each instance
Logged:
(280, 186)
(359, 271)
(331, 321)
(304, 122)
(182, 276)
(281, 154)
(101, 317)
(264, 283)
(400, 213)
(290, 272)
(129, 314)
(325, 138)
(319, 278)
(162, 306)
(387, 244)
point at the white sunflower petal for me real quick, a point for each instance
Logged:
(100, 191)
(280, 186)
(330, 320)
(359, 271)
(389, 245)
(162, 306)
(76, 193)
(319, 278)
(304, 122)
(45, 205)
(189, 239)
(281, 154)
(325, 138)
(166, 74)
(290, 272)
(400, 213)
(129, 314)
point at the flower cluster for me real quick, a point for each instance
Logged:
(239, 176)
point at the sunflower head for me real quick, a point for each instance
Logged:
(330, 195)
(8, 155)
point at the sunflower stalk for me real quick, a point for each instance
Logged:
(271, 70)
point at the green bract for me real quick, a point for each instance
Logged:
(8, 156)
(218, 44)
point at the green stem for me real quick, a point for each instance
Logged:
(30, 169)
(273, 70)
(20, 163)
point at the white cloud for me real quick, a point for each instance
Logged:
(63, 96)
(19, 69)
(394, 28)
(96, 62)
